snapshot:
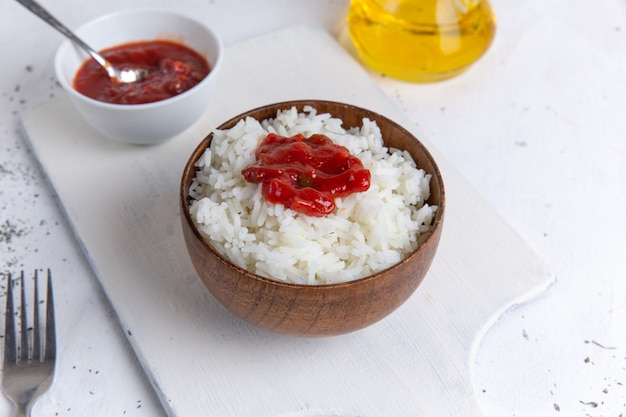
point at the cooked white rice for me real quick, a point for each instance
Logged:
(368, 232)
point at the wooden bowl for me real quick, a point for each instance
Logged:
(324, 310)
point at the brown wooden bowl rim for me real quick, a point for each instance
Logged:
(189, 170)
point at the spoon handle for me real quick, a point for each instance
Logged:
(37, 9)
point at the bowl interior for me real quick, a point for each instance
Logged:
(136, 25)
(394, 136)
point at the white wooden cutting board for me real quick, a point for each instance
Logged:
(122, 204)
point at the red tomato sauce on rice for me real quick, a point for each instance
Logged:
(306, 174)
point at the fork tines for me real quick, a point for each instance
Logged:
(24, 351)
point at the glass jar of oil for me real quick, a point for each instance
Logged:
(420, 40)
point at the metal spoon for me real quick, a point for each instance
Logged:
(119, 76)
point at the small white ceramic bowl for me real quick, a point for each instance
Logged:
(151, 123)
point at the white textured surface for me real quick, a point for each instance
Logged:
(202, 360)
(536, 126)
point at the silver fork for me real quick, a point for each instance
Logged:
(28, 358)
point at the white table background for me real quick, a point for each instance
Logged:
(549, 155)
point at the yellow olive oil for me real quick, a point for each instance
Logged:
(421, 40)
